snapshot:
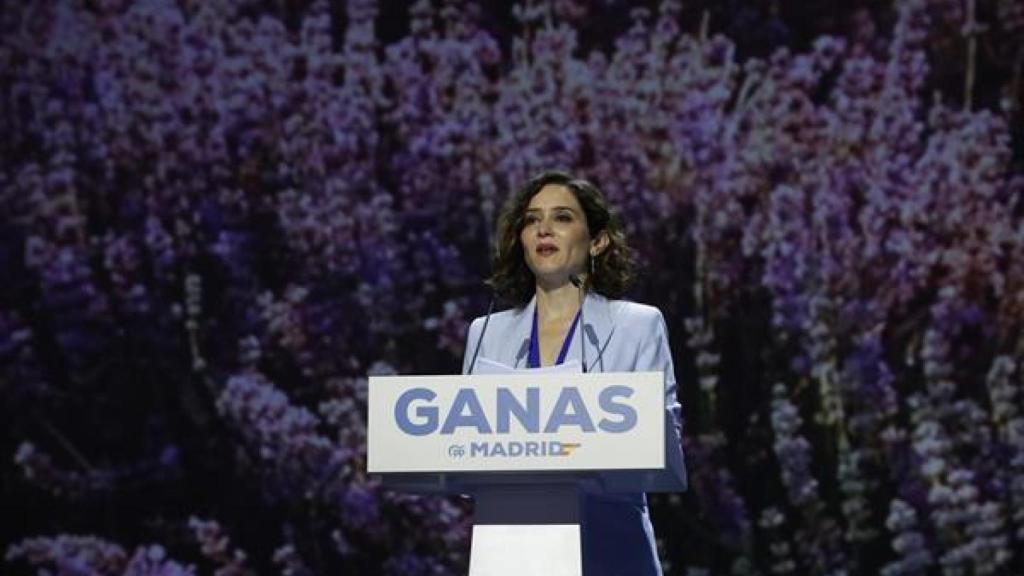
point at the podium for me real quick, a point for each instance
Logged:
(525, 445)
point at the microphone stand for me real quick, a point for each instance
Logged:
(480, 340)
(578, 282)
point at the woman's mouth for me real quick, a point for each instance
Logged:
(546, 250)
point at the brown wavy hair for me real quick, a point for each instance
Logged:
(614, 267)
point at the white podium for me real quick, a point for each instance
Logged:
(524, 445)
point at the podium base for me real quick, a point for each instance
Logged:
(528, 529)
(525, 550)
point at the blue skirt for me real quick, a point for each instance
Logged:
(617, 537)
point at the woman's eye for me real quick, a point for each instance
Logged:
(564, 218)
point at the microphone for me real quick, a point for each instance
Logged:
(480, 340)
(577, 281)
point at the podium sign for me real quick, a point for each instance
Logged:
(516, 422)
(525, 444)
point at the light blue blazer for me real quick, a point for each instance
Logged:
(621, 336)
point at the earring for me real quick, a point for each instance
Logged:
(591, 266)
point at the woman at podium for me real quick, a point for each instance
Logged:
(562, 261)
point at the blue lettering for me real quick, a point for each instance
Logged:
(609, 405)
(561, 416)
(466, 398)
(417, 416)
(426, 414)
(528, 416)
(478, 449)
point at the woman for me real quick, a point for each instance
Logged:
(555, 234)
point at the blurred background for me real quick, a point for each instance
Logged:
(218, 217)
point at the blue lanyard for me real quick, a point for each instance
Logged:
(533, 360)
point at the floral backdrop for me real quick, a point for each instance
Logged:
(218, 217)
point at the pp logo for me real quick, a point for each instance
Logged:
(456, 450)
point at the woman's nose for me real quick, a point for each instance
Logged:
(544, 227)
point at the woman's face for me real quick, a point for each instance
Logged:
(555, 237)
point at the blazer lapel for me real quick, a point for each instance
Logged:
(520, 326)
(597, 329)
